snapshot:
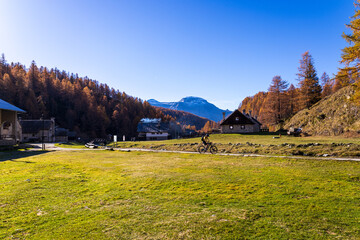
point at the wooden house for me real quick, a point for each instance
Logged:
(10, 129)
(238, 122)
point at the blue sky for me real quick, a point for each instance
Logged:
(220, 50)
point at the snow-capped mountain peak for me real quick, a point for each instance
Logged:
(194, 100)
(194, 105)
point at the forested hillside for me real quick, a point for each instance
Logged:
(333, 115)
(77, 103)
(184, 118)
(282, 101)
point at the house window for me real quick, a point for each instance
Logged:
(242, 127)
(237, 119)
(231, 127)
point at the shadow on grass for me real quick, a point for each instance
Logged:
(14, 155)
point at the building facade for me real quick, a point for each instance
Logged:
(152, 129)
(38, 130)
(238, 122)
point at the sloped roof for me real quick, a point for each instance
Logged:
(255, 120)
(34, 126)
(152, 127)
(7, 106)
(237, 117)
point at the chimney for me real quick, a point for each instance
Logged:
(223, 116)
(244, 111)
(255, 117)
(250, 113)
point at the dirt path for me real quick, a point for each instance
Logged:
(52, 147)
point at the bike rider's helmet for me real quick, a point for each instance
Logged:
(207, 135)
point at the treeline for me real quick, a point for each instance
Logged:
(210, 126)
(77, 103)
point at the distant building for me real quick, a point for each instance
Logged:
(35, 130)
(10, 129)
(72, 135)
(61, 134)
(238, 122)
(152, 129)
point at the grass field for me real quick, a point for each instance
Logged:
(134, 195)
(265, 139)
(260, 144)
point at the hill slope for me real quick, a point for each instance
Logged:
(185, 118)
(194, 105)
(332, 115)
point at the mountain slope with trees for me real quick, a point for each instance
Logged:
(333, 115)
(283, 101)
(303, 100)
(78, 103)
(186, 119)
(339, 112)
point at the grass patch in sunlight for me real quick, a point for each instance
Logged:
(135, 195)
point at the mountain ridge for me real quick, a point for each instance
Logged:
(194, 105)
(185, 118)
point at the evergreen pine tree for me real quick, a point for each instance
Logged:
(2, 65)
(292, 97)
(310, 89)
(276, 102)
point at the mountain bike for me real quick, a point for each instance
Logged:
(203, 148)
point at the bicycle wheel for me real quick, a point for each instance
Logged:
(213, 149)
(201, 149)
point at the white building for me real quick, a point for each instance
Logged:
(152, 129)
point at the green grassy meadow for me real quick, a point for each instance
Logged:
(265, 139)
(142, 195)
(260, 144)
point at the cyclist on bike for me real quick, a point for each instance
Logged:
(207, 145)
(205, 139)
